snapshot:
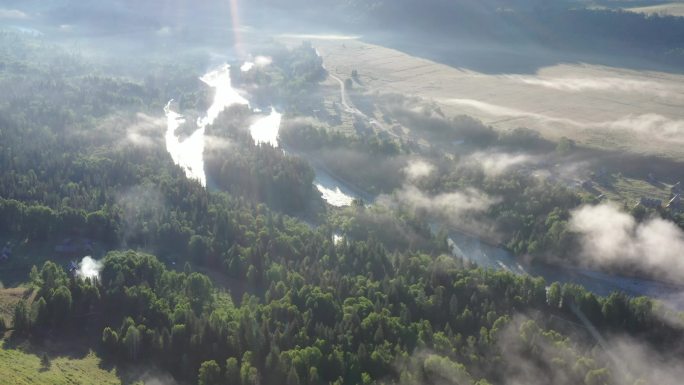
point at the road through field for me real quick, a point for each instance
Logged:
(343, 96)
(358, 113)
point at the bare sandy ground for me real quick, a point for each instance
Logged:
(603, 107)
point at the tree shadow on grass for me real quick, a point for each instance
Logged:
(78, 348)
(54, 346)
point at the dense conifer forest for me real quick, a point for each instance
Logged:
(248, 281)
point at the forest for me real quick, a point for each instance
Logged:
(248, 281)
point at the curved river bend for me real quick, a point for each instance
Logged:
(189, 153)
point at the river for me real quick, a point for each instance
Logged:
(472, 249)
(188, 154)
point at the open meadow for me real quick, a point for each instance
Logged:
(597, 106)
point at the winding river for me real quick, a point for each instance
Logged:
(188, 154)
(472, 249)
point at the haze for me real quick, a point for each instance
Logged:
(341, 192)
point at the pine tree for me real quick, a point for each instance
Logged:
(292, 377)
(209, 373)
(232, 371)
(45, 361)
(22, 318)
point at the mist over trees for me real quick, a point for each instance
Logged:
(253, 280)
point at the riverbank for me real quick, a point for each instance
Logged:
(488, 256)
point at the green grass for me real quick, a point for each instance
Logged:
(19, 368)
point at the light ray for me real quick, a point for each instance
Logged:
(237, 37)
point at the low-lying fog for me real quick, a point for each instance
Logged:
(188, 153)
(606, 107)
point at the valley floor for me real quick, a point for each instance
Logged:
(599, 106)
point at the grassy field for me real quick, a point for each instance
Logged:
(598, 106)
(19, 368)
(667, 9)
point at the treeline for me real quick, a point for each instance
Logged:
(354, 315)
(286, 78)
(266, 174)
(308, 138)
(104, 173)
(347, 157)
(398, 231)
(260, 173)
